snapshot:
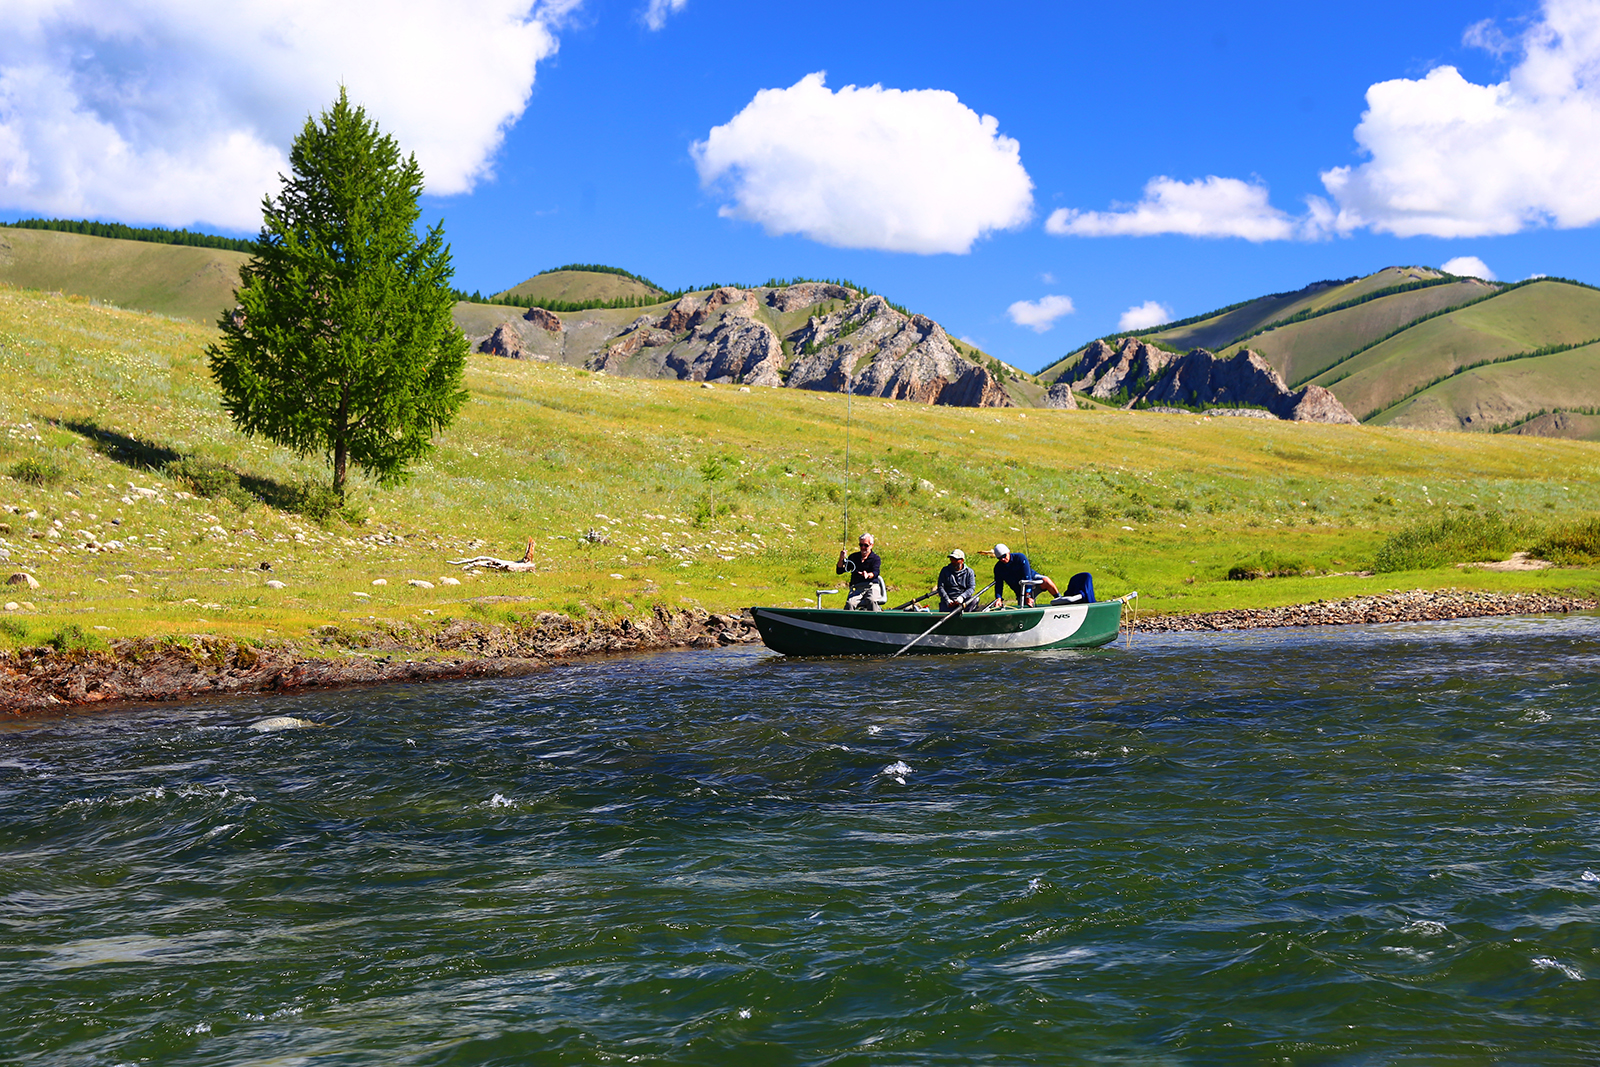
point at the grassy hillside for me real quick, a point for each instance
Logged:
(1503, 393)
(1221, 329)
(1522, 319)
(186, 282)
(1302, 350)
(640, 493)
(576, 286)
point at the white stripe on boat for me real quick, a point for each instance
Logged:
(1055, 624)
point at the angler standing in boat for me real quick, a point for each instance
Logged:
(867, 592)
(957, 584)
(1013, 568)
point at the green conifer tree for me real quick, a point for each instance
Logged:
(342, 342)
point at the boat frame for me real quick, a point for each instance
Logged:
(840, 632)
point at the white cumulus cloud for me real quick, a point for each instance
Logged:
(180, 112)
(1207, 207)
(655, 16)
(1145, 315)
(1041, 314)
(1469, 267)
(889, 169)
(1450, 158)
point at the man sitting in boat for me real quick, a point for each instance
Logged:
(957, 584)
(1013, 568)
(867, 592)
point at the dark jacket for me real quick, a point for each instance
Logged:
(1012, 572)
(872, 564)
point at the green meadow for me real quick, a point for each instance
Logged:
(140, 510)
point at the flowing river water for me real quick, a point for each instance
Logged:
(1361, 845)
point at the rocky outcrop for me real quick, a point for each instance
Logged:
(881, 352)
(730, 335)
(505, 342)
(1059, 395)
(1316, 404)
(737, 350)
(548, 321)
(807, 294)
(1141, 375)
(1104, 372)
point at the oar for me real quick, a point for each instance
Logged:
(919, 600)
(959, 609)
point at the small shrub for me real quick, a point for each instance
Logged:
(73, 638)
(1092, 513)
(1460, 538)
(211, 479)
(323, 503)
(37, 471)
(15, 629)
(1575, 542)
(1269, 565)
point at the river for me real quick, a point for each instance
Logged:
(1358, 845)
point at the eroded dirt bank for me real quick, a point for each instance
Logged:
(41, 679)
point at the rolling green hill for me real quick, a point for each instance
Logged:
(1521, 319)
(178, 280)
(1414, 348)
(577, 286)
(1301, 350)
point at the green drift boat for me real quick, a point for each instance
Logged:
(836, 632)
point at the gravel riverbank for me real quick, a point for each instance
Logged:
(1418, 605)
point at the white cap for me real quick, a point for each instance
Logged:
(1001, 550)
(956, 553)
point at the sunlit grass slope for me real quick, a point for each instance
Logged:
(644, 493)
(1221, 329)
(1519, 320)
(187, 282)
(1504, 393)
(1301, 350)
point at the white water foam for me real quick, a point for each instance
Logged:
(501, 801)
(897, 771)
(1545, 963)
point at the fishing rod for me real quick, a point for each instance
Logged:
(849, 391)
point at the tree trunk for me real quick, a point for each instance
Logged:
(341, 445)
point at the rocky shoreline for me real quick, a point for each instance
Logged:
(35, 680)
(1418, 605)
(41, 680)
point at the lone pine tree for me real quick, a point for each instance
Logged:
(342, 342)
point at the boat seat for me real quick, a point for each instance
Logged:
(1080, 590)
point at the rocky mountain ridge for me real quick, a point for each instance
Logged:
(751, 337)
(1138, 374)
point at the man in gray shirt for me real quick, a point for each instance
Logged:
(957, 583)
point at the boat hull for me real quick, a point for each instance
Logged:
(835, 632)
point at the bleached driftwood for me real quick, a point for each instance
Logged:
(493, 563)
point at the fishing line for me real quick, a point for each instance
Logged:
(848, 392)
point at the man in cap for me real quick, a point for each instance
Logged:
(957, 583)
(866, 587)
(1013, 568)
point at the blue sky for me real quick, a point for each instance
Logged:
(1142, 154)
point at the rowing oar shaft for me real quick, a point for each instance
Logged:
(958, 610)
(919, 600)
